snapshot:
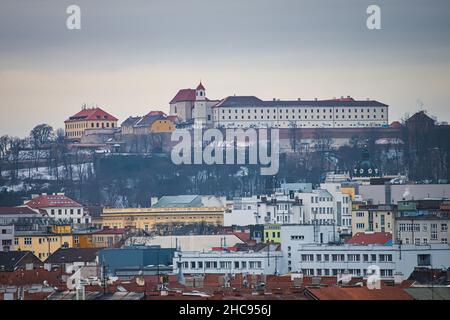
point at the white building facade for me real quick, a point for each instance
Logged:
(331, 260)
(221, 262)
(59, 207)
(342, 206)
(243, 212)
(252, 112)
(6, 237)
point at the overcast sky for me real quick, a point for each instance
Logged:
(131, 57)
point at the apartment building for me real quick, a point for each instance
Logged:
(360, 260)
(376, 218)
(59, 207)
(224, 262)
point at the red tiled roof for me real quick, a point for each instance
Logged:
(52, 200)
(370, 238)
(155, 113)
(200, 86)
(244, 236)
(395, 124)
(29, 277)
(360, 293)
(92, 114)
(16, 210)
(184, 95)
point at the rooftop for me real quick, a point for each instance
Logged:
(52, 200)
(67, 255)
(365, 238)
(91, 114)
(17, 210)
(252, 101)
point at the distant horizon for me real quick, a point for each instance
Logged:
(131, 59)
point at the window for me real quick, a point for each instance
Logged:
(27, 241)
(444, 227)
(423, 260)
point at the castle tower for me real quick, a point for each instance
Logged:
(200, 92)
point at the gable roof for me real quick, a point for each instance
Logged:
(52, 200)
(252, 101)
(184, 95)
(130, 121)
(17, 210)
(11, 259)
(66, 255)
(149, 118)
(420, 116)
(92, 114)
(365, 238)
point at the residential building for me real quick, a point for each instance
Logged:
(43, 243)
(376, 218)
(272, 233)
(59, 207)
(342, 205)
(225, 262)
(280, 208)
(422, 221)
(13, 260)
(422, 229)
(88, 118)
(108, 237)
(6, 237)
(70, 259)
(10, 215)
(252, 112)
(325, 260)
(243, 211)
(153, 122)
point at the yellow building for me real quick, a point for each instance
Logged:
(88, 118)
(153, 122)
(272, 233)
(43, 244)
(147, 218)
(350, 191)
(376, 218)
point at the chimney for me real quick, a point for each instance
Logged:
(398, 278)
